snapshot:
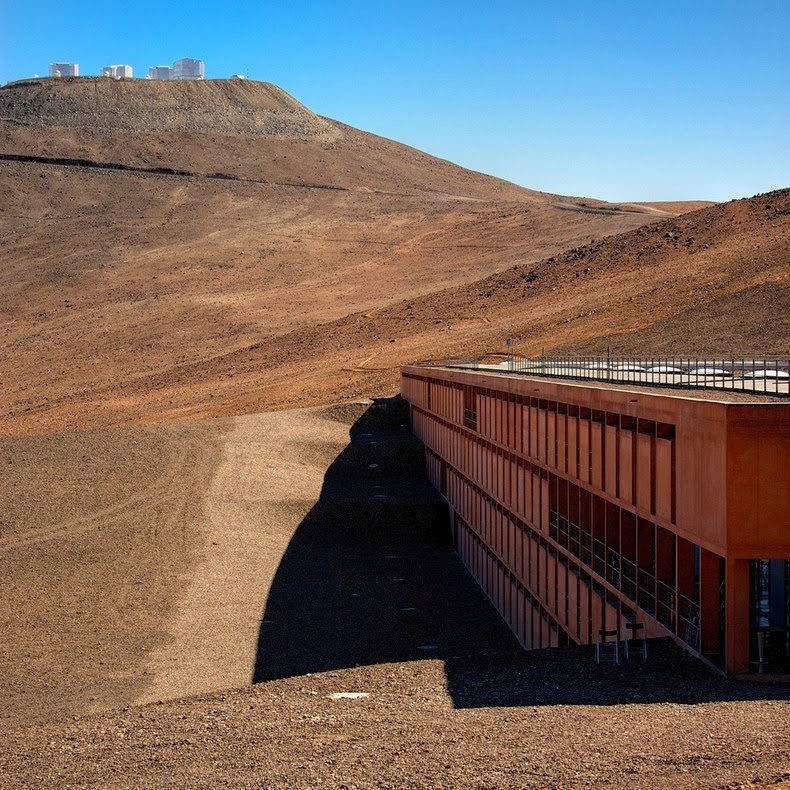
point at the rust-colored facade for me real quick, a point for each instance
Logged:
(583, 508)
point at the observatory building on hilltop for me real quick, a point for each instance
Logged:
(188, 69)
(64, 69)
(117, 72)
(160, 73)
(588, 513)
(184, 69)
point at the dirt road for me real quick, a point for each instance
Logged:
(135, 563)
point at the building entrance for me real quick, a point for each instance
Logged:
(769, 603)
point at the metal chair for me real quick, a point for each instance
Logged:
(606, 650)
(636, 631)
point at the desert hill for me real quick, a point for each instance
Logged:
(182, 243)
(212, 255)
(710, 282)
(218, 106)
(239, 128)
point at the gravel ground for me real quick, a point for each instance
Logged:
(448, 699)
(408, 733)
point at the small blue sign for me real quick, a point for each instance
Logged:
(507, 341)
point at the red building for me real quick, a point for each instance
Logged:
(581, 508)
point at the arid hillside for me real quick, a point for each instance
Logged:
(152, 231)
(213, 257)
(239, 129)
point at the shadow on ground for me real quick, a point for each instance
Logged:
(570, 676)
(370, 576)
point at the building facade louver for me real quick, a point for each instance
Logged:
(584, 508)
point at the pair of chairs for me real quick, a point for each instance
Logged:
(607, 646)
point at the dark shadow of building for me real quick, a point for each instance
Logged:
(371, 576)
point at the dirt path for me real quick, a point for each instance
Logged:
(135, 562)
(270, 475)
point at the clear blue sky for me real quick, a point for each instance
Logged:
(614, 100)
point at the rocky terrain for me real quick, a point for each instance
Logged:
(217, 106)
(192, 274)
(287, 270)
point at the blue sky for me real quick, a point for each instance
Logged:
(619, 101)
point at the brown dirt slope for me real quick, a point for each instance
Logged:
(242, 129)
(406, 733)
(709, 282)
(118, 280)
(135, 562)
(238, 128)
(138, 566)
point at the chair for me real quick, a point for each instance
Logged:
(607, 650)
(635, 631)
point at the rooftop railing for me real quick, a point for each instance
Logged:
(765, 375)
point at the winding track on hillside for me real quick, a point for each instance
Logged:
(159, 171)
(166, 493)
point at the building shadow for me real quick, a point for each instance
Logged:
(370, 576)
(570, 676)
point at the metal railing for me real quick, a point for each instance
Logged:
(461, 362)
(554, 527)
(585, 547)
(666, 605)
(647, 591)
(613, 567)
(574, 540)
(688, 621)
(628, 578)
(764, 375)
(578, 541)
(599, 557)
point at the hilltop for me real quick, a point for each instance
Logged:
(209, 106)
(237, 128)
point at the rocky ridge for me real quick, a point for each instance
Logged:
(130, 105)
